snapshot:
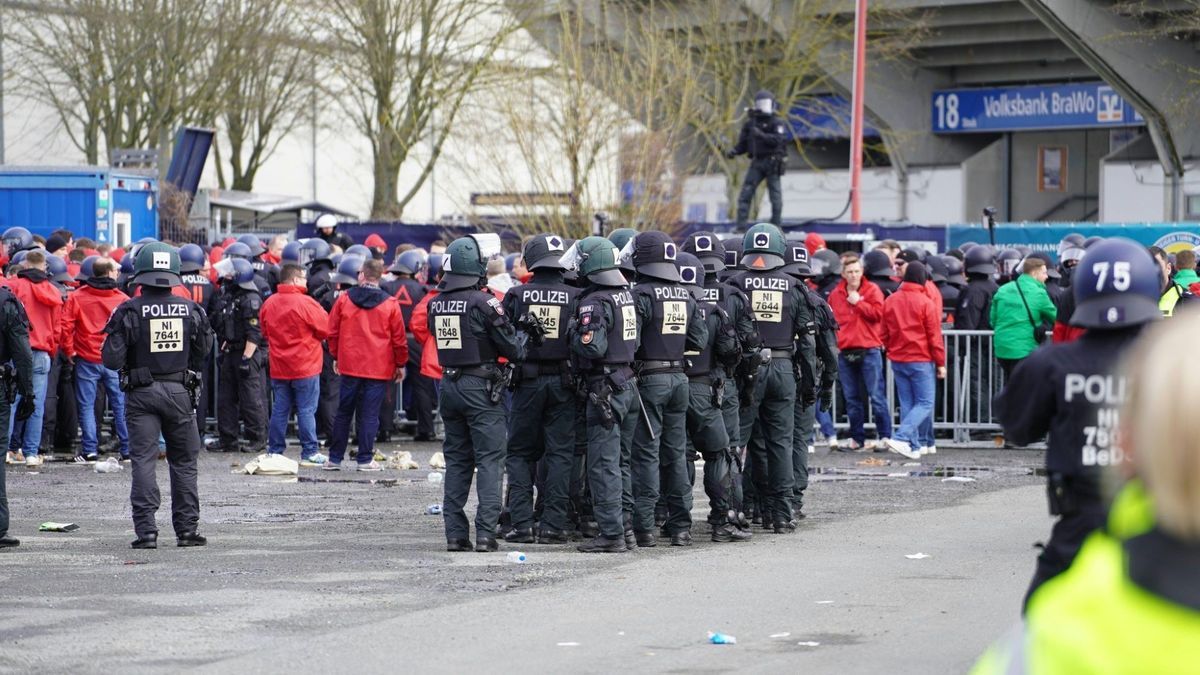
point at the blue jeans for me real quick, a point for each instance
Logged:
(914, 386)
(304, 394)
(359, 398)
(31, 429)
(87, 376)
(862, 382)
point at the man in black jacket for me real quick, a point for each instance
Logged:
(764, 138)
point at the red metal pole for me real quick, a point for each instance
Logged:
(856, 118)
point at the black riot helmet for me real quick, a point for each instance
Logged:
(831, 263)
(691, 274)
(708, 249)
(544, 251)
(795, 259)
(954, 271)
(653, 255)
(876, 264)
(978, 260)
(938, 271)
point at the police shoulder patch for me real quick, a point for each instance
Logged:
(495, 304)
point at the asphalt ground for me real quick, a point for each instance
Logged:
(313, 576)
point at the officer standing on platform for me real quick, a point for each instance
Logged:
(1073, 392)
(240, 390)
(604, 337)
(782, 371)
(472, 331)
(705, 419)
(542, 426)
(14, 346)
(764, 138)
(158, 342)
(671, 323)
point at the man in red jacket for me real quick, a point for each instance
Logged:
(86, 313)
(43, 304)
(369, 348)
(858, 307)
(912, 335)
(294, 325)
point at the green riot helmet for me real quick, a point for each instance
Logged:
(157, 264)
(620, 238)
(465, 262)
(594, 258)
(763, 248)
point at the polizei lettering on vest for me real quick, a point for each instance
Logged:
(670, 293)
(449, 306)
(766, 283)
(543, 296)
(712, 295)
(623, 297)
(1095, 389)
(172, 309)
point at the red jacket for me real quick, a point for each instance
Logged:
(43, 304)
(858, 325)
(84, 317)
(294, 325)
(420, 330)
(912, 327)
(366, 334)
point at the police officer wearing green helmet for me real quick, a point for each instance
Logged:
(603, 336)
(472, 331)
(782, 370)
(158, 342)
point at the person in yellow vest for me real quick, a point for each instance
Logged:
(1130, 603)
(1173, 295)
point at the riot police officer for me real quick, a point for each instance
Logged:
(620, 237)
(14, 346)
(193, 264)
(471, 331)
(782, 371)
(671, 324)
(317, 255)
(1073, 391)
(604, 337)
(158, 342)
(825, 340)
(240, 392)
(543, 426)
(240, 250)
(764, 138)
(266, 270)
(706, 431)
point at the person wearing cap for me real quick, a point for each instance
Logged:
(158, 343)
(542, 426)
(603, 337)
(57, 245)
(377, 245)
(295, 326)
(240, 387)
(706, 434)
(670, 324)
(326, 227)
(713, 256)
(782, 372)
(43, 305)
(857, 305)
(1073, 392)
(1021, 314)
(472, 331)
(84, 317)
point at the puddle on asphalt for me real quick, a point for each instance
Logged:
(820, 474)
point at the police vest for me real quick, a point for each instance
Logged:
(622, 329)
(770, 300)
(821, 311)
(450, 325)
(1166, 303)
(664, 336)
(164, 333)
(550, 302)
(199, 288)
(700, 363)
(229, 321)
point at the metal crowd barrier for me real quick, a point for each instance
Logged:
(963, 400)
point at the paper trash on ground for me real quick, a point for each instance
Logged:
(916, 556)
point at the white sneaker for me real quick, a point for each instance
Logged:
(931, 450)
(33, 460)
(812, 449)
(370, 466)
(903, 449)
(14, 457)
(881, 444)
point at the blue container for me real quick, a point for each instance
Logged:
(106, 205)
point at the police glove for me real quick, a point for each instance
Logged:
(533, 326)
(25, 408)
(244, 367)
(810, 397)
(826, 400)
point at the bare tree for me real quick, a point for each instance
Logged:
(407, 67)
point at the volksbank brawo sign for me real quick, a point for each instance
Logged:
(1068, 106)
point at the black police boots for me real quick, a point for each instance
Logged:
(549, 536)
(486, 545)
(646, 539)
(148, 541)
(683, 538)
(459, 545)
(190, 539)
(784, 526)
(9, 542)
(730, 532)
(603, 544)
(519, 536)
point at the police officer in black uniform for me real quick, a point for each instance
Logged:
(158, 342)
(17, 378)
(240, 250)
(715, 255)
(706, 431)
(782, 371)
(542, 426)
(472, 331)
(192, 261)
(825, 341)
(316, 254)
(671, 323)
(877, 268)
(267, 271)
(604, 338)
(764, 138)
(1074, 391)
(240, 393)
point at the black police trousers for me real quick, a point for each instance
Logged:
(162, 408)
(760, 170)
(474, 448)
(241, 398)
(542, 428)
(1065, 540)
(5, 411)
